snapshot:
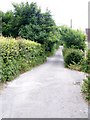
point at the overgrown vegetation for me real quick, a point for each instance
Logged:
(86, 83)
(72, 56)
(18, 56)
(86, 88)
(28, 21)
(73, 38)
(88, 62)
(74, 47)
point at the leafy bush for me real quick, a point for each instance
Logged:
(73, 38)
(86, 87)
(72, 56)
(88, 61)
(75, 66)
(28, 22)
(85, 63)
(53, 42)
(18, 56)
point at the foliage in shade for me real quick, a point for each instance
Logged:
(72, 56)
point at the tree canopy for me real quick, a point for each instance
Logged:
(29, 22)
(72, 38)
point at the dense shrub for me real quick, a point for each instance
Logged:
(86, 87)
(73, 38)
(53, 43)
(18, 56)
(85, 63)
(88, 61)
(72, 56)
(29, 22)
(75, 66)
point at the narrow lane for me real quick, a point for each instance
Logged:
(47, 91)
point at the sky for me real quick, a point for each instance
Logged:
(62, 10)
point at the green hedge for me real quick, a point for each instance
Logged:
(72, 56)
(86, 88)
(88, 61)
(17, 56)
(86, 84)
(73, 38)
(85, 64)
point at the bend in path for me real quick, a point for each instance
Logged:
(47, 91)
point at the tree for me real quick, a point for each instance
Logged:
(7, 23)
(73, 38)
(29, 22)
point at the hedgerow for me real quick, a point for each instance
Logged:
(86, 88)
(85, 64)
(74, 48)
(18, 56)
(86, 83)
(72, 56)
(73, 38)
(88, 61)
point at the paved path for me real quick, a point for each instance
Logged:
(47, 91)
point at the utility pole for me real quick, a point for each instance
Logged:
(71, 23)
